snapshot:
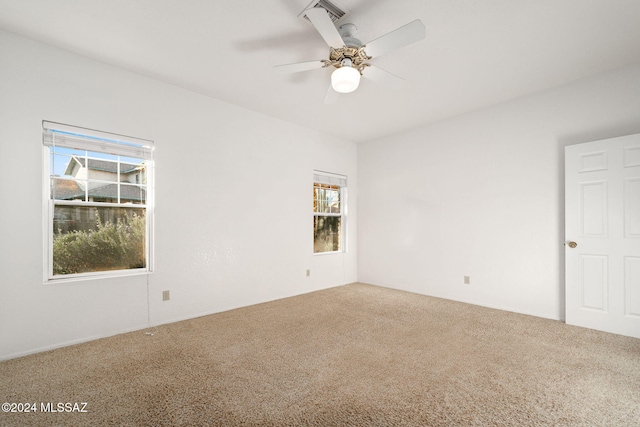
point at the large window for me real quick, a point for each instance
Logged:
(329, 208)
(98, 202)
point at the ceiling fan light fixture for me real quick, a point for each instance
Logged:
(346, 78)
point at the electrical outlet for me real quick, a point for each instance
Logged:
(165, 295)
(308, 273)
(467, 280)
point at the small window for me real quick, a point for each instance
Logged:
(98, 202)
(329, 207)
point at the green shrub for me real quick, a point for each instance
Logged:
(111, 246)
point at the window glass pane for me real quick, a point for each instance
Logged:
(133, 173)
(326, 199)
(68, 189)
(326, 233)
(103, 193)
(101, 167)
(62, 163)
(89, 239)
(136, 194)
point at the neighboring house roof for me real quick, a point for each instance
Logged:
(66, 189)
(127, 192)
(101, 165)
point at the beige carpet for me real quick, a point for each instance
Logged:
(355, 355)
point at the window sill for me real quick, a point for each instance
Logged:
(329, 253)
(95, 276)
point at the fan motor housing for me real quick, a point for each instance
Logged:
(357, 56)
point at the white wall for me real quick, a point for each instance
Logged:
(233, 214)
(482, 195)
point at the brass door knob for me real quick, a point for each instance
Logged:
(572, 244)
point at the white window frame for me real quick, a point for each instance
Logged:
(58, 134)
(330, 178)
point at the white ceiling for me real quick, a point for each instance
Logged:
(476, 52)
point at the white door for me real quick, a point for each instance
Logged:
(602, 235)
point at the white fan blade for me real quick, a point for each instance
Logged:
(400, 37)
(383, 77)
(299, 66)
(331, 96)
(320, 19)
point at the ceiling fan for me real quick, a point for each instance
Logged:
(350, 56)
